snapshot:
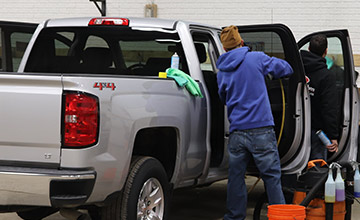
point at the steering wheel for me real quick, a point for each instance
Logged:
(136, 66)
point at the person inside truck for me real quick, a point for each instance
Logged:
(324, 104)
(241, 82)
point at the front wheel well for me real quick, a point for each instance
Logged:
(160, 143)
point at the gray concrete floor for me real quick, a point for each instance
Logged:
(205, 203)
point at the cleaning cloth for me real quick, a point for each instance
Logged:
(329, 62)
(183, 79)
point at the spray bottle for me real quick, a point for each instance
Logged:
(330, 188)
(175, 59)
(339, 186)
(324, 139)
(357, 182)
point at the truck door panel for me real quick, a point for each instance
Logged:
(30, 105)
(287, 97)
(340, 61)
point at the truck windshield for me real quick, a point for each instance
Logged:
(105, 50)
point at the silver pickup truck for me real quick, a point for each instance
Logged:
(86, 122)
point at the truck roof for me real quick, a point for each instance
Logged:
(133, 22)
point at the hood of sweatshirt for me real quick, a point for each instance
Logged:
(231, 60)
(312, 62)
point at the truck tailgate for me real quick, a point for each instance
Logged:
(30, 113)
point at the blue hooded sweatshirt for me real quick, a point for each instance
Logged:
(241, 81)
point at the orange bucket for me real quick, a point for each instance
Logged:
(286, 212)
(316, 210)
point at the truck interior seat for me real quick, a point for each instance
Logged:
(97, 60)
(154, 65)
(217, 110)
(64, 64)
(201, 52)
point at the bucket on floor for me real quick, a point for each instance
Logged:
(316, 210)
(286, 212)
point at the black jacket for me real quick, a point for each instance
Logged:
(323, 94)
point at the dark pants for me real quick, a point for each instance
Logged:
(318, 149)
(260, 143)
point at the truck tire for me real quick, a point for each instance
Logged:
(145, 194)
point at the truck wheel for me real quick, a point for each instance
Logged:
(145, 194)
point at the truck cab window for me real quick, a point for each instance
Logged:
(63, 43)
(110, 50)
(95, 41)
(147, 57)
(19, 42)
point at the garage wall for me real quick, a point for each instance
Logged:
(302, 17)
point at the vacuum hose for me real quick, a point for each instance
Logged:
(311, 195)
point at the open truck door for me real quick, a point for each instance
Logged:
(289, 97)
(30, 104)
(14, 39)
(340, 53)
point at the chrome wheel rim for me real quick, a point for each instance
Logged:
(151, 201)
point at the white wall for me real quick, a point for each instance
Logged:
(302, 16)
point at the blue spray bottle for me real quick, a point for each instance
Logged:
(357, 182)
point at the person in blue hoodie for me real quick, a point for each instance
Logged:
(241, 82)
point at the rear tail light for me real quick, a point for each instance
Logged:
(109, 21)
(81, 120)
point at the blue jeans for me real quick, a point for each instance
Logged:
(260, 143)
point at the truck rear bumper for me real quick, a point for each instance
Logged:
(45, 187)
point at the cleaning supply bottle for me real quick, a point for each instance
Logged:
(330, 188)
(339, 186)
(324, 139)
(175, 60)
(357, 182)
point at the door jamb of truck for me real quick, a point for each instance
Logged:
(346, 111)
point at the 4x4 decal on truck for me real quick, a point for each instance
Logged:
(102, 85)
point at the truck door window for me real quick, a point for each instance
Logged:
(267, 42)
(335, 63)
(19, 42)
(334, 56)
(1, 48)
